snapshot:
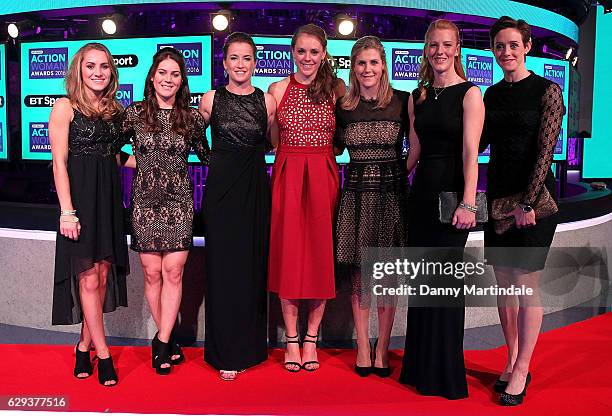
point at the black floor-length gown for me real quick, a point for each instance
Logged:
(433, 357)
(95, 191)
(237, 221)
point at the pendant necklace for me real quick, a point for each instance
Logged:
(436, 93)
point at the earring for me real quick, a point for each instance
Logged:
(224, 73)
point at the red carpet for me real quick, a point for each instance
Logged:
(572, 375)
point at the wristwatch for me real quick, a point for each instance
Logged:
(526, 208)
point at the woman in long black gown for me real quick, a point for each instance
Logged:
(446, 114)
(523, 122)
(237, 215)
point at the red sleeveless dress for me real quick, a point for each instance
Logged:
(305, 188)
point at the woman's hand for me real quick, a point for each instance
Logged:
(69, 228)
(524, 219)
(464, 219)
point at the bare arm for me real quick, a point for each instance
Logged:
(272, 132)
(414, 152)
(59, 125)
(473, 119)
(206, 105)
(276, 90)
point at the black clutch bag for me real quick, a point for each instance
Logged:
(449, 201)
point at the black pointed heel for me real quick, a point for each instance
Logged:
(381, 372)
(106, 372)
(507, 399)
(311, 362)
(365, 371)
(292, 366)
(500, 385)
(161, 356)
(82, 363)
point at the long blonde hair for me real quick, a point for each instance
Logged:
(385, 92)
(426, 73)
(108, 106)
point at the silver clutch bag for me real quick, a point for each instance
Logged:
(449, 201)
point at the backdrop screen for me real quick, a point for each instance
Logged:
(597, 149)
(3, 120)
(404, 59)
(44, 66)
(274, 62)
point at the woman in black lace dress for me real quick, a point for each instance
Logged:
(524, 113)
(447, 116)
(164, 128)
(370, 122)
(237, 214)
(91, 260)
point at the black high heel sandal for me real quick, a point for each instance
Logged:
(311, 362)
(106, 372)
(365, 371)
(298, 366)
(82, 363)
(175, 349)
(160, 356)
(507, 399)
(381, 372)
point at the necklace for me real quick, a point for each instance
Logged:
(436, 93)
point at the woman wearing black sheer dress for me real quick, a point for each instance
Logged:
(446, 115)
(91, 259)
(371, 122)
(237, 214)
(164, 128)
(524, 113)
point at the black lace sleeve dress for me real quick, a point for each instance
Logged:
(522, 124)
(162, 191)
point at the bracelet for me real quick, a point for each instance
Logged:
(468, 207)
(69, 218)
(67, 212)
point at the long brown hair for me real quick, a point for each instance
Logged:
(426, 73)
(385, 92)
(108, 106)
(321, 89)
(181, 114)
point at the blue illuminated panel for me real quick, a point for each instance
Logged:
(598, 149)
(44, 66)
(3, 119)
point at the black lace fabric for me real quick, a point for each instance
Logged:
(550, 126)
(162, 192)
(93, 137)
(372, 212)
(522, 124)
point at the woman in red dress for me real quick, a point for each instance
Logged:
(305, 188)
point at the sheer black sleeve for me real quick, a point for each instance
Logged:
(125, 132)
(485, 140)
(551, 117)
(198, 140)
